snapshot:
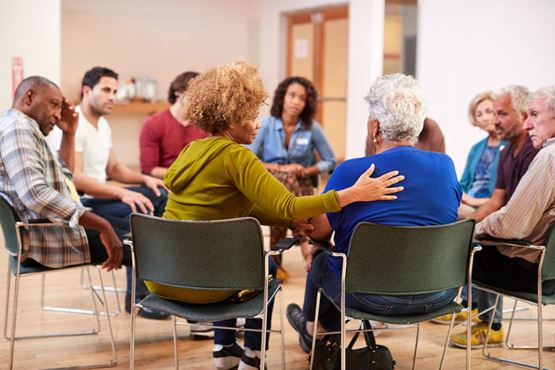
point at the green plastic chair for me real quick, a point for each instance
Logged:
(399, 260)
(13, 241)
(546, 271)
(220, 255)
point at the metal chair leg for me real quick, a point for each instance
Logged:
(416, 346)
(175, 353)
(315, 331)
(282, 328)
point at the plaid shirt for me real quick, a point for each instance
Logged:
(530, 211)
(32, 180)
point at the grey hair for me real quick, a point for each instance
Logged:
(518, 95)
(547, 93)
(32, 82)
(396, 102)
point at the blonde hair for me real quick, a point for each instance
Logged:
(223, 95)
(474, 104)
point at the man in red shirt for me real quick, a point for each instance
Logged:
(166, 133)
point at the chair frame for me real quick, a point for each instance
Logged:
(539, 304)
(344, 318)
(135, 307)
(19, 226)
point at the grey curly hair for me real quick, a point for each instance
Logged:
(396, 102)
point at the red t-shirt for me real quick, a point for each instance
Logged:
(162, 139)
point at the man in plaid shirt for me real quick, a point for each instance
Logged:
(37, 185)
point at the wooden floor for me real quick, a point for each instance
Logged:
(154, 338)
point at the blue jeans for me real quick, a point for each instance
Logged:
(116, 208)
(253, 340)
(321, 277)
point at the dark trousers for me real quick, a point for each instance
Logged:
(329, 317)
(495, 269)
(253, 340)
(115, 208)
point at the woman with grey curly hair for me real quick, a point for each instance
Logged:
(431, 197)
(219, 178)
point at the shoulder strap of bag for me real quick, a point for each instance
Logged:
(368, 335)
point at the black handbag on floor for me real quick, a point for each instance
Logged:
(327, 353)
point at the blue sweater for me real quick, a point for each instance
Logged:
(431, 196)
(476, 152)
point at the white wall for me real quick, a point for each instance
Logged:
(29, 29)
(465, 47)
(158, 39)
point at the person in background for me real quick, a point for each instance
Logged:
(287, 144)
(166, 133)
(528, 215)
(396, 117)
(480, 172)
(219, 178)
(430, 139)
(96, 162)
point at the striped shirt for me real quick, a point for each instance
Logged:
(531, 209)
(32, 180)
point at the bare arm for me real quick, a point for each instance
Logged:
(474, 202)
(68, 124)
(496, 201)
(159, 172)
(96, 189)
(322, 228)
(109, 239)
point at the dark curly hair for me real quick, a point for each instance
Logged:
(309, 111)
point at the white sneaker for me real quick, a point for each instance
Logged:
(378, 325)
(202, 332)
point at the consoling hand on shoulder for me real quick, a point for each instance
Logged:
(368, 189)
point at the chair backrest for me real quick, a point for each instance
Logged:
(219, 254)
(548, 270)
(8, 218)
(408, 260)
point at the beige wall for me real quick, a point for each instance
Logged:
(158, 39)
(29, 29)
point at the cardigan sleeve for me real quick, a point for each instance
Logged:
(271, 198)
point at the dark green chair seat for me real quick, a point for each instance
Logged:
(403, 260)
(218, 254)
(228, 309)
(12, 230)
(546, 271)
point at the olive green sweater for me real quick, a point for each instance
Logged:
(216, 178)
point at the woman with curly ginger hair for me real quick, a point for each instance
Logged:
(287, 143)
(219, 178)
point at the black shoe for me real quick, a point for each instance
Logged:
(228, 357)
(250, 363)
(146, 312)
(296, 318)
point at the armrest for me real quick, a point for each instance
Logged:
(285, 244)
(518, 243)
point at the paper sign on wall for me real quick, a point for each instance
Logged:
(301, 48)
(17, 72)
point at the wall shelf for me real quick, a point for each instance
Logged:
(139, 107)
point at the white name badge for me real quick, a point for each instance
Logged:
(302, 141)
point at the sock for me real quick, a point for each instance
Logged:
(496, 326)
(251, 353)
(219, 347)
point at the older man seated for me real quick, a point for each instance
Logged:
(431, 197)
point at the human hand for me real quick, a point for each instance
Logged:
(114, 249)
(69, 118)
(301, 225)
(369, 189)
(154, 183)
(134, 199)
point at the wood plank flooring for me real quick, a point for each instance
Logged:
(154, 338)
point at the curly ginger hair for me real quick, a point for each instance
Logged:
(224, 95)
